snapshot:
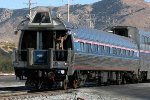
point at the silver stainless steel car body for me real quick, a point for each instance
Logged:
(121, 53)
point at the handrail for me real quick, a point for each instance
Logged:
(52, 56)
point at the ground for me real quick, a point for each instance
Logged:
(138, 91)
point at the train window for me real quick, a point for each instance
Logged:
(29, 40)
(93, 48)
(114, 51)
(107, 49)
(148, 42)
(88, 47)
(96, 47)
(118, 51)
(142, 39)
(145, 40)
(82, 46)
(131, 53)
(123, 52)
(77, 46)
(41, 17)
(47, 40)
(121, 31)
(136, 54)
(127, 52)
(101, 48)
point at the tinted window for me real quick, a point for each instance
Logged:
(118, 51)
(131, 53)
(142, 40)
(41, 17)
(29, 40)
(86, 47)
(123, 52)
(107, 49)
(114, 51)
(77, 46)
(100, 48)
(94, 48)
(127, 52)
(145, 40)
(82, 46)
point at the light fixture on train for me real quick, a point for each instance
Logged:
(130, 36)
(110, 31)
(62, 71)
(66, 64)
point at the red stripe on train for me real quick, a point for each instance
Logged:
(102, 68)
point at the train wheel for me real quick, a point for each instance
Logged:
(65, 84)
(75, 84)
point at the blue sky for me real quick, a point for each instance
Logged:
(147, 0)
(16, 4)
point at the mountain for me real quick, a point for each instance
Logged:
(9, 19)
(102, 14)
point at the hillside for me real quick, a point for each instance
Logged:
(103, 14)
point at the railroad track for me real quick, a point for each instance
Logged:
(6, 95)
(19, 95)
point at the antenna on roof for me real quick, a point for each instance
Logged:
(68, 10)
(30, 7)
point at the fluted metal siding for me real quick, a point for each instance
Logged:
(105, 62)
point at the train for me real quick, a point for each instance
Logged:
(116, 55)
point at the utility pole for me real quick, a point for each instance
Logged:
(30, 6)
(68, 11)
(91, 19)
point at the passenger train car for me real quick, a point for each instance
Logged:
(118, 55)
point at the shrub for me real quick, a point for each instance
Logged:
(6, 64)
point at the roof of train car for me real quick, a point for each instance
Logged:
(55, 22)
(104, 37)
(86, 33)
(144, 32)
